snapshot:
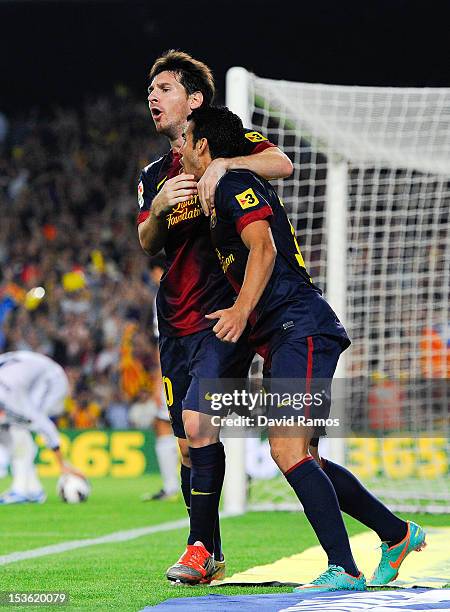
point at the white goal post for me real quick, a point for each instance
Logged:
(370, 201)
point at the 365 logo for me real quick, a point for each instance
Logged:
(247, 198)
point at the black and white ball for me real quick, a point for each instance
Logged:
(73, 489)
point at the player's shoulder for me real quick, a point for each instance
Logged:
(241, 185)
(152, 170)
(235, 179)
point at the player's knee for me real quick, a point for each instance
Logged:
(198, 429)
(286, 453)
(276, 449)
(197, 437)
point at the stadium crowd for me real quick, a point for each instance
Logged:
(74, 283)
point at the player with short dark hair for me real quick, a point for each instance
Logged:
(171, 218)
(301, 338)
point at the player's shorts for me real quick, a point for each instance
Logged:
(312, 362)
(186, 360)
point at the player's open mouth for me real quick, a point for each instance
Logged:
(156, 113)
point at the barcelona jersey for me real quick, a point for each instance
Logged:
(193, 284)
(290, 299)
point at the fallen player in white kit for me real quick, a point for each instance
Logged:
(32, 389)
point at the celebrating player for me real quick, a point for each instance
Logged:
(302, 339)
(32, 389)
(171, 217)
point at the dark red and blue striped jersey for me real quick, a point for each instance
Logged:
(290, 299)
(193, 284)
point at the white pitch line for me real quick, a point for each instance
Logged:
(117, 536)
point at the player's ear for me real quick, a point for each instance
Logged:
(195, 100)
(202, 146)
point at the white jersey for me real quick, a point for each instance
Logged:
(32, 388)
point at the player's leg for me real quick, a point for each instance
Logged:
(25, 481)
(398, 537)
(308, 359)
(25, 486)
(6, 450)
(210, 359)
(213, 360)
(5, 458)
(176, 381)
(166, 449)
(175, 364)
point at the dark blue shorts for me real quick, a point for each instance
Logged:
(186, 360)
(312, 362)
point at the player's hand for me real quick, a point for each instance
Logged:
(232, 322)
(67, 468)
(175, 190)
(208, 183)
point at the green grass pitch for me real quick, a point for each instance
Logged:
(128, 576)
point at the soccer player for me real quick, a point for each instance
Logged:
(301, 338)
(32, 389)
(171, 218)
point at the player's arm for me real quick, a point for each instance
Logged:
(264, 159)
(258, 238)
(42, 424)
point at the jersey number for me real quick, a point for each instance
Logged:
(168, 390)
(298, 255)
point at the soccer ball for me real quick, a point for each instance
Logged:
(73, 489)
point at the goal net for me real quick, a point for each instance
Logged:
(370, 201)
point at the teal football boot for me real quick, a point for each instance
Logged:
(392, 557)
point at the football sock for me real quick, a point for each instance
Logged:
(356, 501)
(185, 473)
(206, 485)
(220, 476)
(166, 449)
(318, 498)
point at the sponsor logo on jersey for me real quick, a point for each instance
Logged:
(247, 198)
(141, 194)
(184, 211)
(213, 221)
(255, 137)
(225, 260)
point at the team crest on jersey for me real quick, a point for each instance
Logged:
(141, 194)
(255, 137)
(247, 198)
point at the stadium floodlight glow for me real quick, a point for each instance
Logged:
(370, 201)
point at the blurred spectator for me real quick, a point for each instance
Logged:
(116, 414)
(72, 274)
(143, 411)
